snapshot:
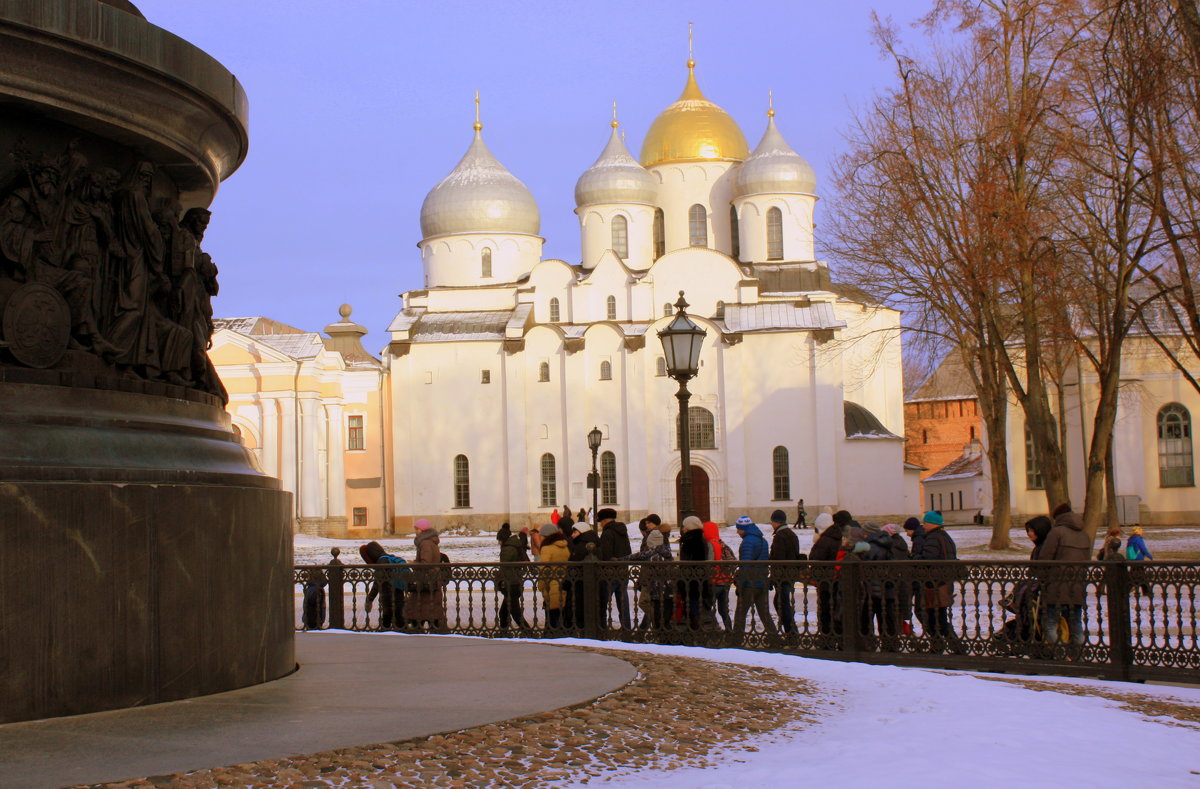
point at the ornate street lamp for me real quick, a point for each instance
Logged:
(595, 436)
(681, 341)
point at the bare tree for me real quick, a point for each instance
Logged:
(907, 225)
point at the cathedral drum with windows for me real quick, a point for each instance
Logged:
(503, 362)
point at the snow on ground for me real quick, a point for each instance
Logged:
(900, 727)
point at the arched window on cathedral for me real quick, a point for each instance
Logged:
(781, 474)
(697, 226)
(462, 481)
(702, 428)
(620, 237)
(549, 481)
(660, 367)
(774, 234)
(606, 371)
(660, 234)
(667, 311)
(544, 372)
(554, 314)
(735, 236)
(720, 310)
(610, 308)
(608, 478)
(485, 262)
(1175, 467)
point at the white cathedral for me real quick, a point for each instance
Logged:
(500, 366)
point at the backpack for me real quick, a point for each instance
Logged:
(727, 553)
(399, 576)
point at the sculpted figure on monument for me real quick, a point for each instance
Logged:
(195, 286)
(116, 279)
(138, 277)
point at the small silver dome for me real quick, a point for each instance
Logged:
(774, 168)
(479, 196)
(616, 177)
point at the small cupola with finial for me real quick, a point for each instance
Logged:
(480, 224)
(774, 198)
(615, 200)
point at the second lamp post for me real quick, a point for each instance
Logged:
(681, 341)
(595, 436)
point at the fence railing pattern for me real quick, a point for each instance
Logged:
(1130, 621)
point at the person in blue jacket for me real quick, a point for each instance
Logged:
(752, 589)
(1135, 547)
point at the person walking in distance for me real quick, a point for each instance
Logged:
(801, 515)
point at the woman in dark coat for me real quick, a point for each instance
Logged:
(825, 549)
(427, 602)
(693, 548)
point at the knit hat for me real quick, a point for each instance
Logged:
(549, 530)
(422, 524)
(606, 514)
(871, 528)
(744, 520)
(891, 529)
(778, 516)
(933, 517)
(911, 524)
(691, 523)
(823, 521)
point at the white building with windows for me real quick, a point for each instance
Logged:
(1154, 476)
(499, 367)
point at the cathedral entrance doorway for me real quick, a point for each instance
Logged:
(699, 494)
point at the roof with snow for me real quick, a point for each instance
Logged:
(785, 316)
(962, 467)
(861, 423)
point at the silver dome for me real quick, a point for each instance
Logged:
(616, 177)
(774, 168)
(479, 196)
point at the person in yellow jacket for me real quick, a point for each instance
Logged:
(550, 583)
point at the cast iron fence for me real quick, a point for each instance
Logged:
(1127, 621)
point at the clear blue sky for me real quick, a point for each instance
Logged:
(358, 107)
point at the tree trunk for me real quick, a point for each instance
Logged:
(1095, 514)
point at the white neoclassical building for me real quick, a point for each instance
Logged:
(500, 366)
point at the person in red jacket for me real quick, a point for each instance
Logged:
(722, 578)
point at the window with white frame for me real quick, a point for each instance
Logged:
(355, 438)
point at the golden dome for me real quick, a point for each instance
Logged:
(693, 129)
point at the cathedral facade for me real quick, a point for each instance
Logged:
(499, 367)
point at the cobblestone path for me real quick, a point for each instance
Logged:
(678, 712)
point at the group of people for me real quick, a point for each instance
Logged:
(411, 596)
(1048, 606)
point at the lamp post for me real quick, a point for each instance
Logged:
(681, 342)
(595, 436)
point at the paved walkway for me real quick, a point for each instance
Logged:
(351, 690)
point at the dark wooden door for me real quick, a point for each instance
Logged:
(699, 494)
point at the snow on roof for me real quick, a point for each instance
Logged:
(457, 326)
(780, 315)
(961, 467)
(298, 346)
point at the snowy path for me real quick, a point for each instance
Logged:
(896, 727)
